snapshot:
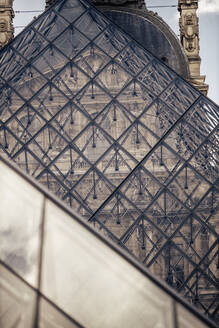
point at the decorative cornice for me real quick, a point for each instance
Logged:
(188, 3)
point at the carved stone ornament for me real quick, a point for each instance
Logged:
(189, 32)
(3, 25)
(3, 33)
(188, 2)
(3, 39)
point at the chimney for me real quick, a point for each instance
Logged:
(6, 19)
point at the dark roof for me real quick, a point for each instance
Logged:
(153, 34)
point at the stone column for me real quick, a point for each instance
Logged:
(189, 34)
(6, 18)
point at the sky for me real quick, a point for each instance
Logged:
(208, 24)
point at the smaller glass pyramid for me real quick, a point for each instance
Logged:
(72, 277)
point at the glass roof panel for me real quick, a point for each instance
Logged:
(20, 227)
(17, 301)
(78, 266)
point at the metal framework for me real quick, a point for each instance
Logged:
(31, 299)
(121, 138)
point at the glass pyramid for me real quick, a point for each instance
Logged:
(76, 281)
(121, 138)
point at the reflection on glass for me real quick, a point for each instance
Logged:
(17, 301)
(51, 318)
(81, 274)
(20, 213)
(187, 320)
(94, 285)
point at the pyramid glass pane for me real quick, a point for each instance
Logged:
(81, 277)
(119, 137)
